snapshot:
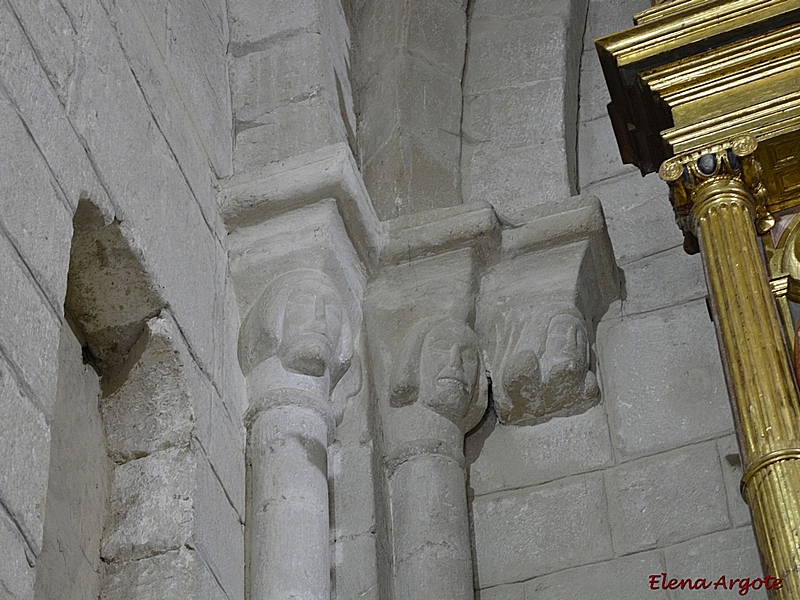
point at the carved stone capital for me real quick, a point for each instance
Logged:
(696, 175)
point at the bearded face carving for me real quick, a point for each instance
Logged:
(440, 366)
(300, 318)
(549, 379)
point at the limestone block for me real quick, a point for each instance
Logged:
(225, 451)
(152, 410)
(53, 37)
(168, 575)
(680, 397)
(253, 20)
(514, 51)
(514, 591)
(142, 177)
(25, 447)
(598, 152)
(730, 553)
(137, 23)
(533, 531)
(36, 217)
(379, 104)
(665, 279)
(218, 531)
(234, 392)
(510, 118)
(206, 585)
(639, 216)
(29, 335)
(667, 498)
(355, 568)
(78, 483)
(732, 474)
(23, 79)
(522, 183)
(621, 578)
(286, 70)
(288, 130)
(151, 506)
(404, 178)
(17, 577)
(594, 96)
(437, 30)
(506, 457)
(353, 501)
(379, 29)
(197, 60)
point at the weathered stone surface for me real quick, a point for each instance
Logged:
(516, 51)
(152, 410)
(30, 330)
(35, 216)
(503, 592)
(152, 506)
(168, 575)
(732, 474)
(16, 575)
(25, 443)
(533, 531)
(288, 130)
(621, 578)
(137, 23)
(154, 200)
(731, 554)
(664, 279)
(520, 183)
(78, 483)
(287, 70)
(197, 60)
(253, 20)
(505, 457)
(218, 531)
(353, 501)
(639, 216)
(598, 153)
(437, 30)
(666, 499)
(680, 398)
(356, 569)
(53, 37)
(594, 96)
(507, 118)
(23, 79)
(206, 585)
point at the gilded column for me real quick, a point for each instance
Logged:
(719, 198)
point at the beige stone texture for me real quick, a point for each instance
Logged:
(532, 531)
(653, 410)
(668, 498)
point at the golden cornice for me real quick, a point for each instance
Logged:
(694, 73)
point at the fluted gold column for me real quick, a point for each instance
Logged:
(763, 394)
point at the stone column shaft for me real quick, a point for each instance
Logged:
(433, 556)
(763, 394)
(288, 527)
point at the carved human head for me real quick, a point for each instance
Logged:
(440, 365)
(300, 318)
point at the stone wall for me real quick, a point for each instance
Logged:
(124, 108)
(646, 482)
(440, 182)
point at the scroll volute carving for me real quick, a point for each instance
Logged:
(440, 365)
(541, 367)
(300, 319)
